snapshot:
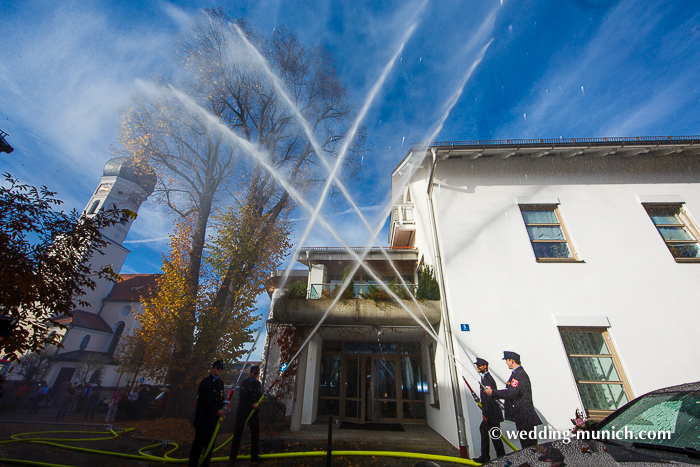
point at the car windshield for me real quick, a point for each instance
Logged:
(668, 419)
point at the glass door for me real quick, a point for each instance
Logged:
(353, 394)
(386, 393)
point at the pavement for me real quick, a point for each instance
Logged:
(274, 438)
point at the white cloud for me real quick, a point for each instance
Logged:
(66, 70)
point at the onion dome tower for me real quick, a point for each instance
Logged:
(125, 184)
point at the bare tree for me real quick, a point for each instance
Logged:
(33, 366)
(201, 170)
(91, 368)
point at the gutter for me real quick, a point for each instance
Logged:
(456, 396)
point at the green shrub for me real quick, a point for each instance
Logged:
(376, 293)
(428, 288)
(296, 290)
(349, 291)
(399, 290)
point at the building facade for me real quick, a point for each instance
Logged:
(581, 255)
(369, 361)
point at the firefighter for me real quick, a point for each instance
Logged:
(517, 397)
(490, 413)
(210, 407)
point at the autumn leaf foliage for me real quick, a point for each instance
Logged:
(221, 328)
(45, 267)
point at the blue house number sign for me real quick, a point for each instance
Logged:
(465, 327)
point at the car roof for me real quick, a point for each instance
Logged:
(690, 387)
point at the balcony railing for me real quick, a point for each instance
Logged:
(360, 290)
(403, 214)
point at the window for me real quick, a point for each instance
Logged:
(118, 331)
(103, 189)
(547, 234)
(597, 370)
(85, 342)
(93, 207)
(676, 229)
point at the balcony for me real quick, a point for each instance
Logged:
(403, 226)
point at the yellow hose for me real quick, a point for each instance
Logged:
(510, 445)
(143, 456)
(505, 440)
(211, 442)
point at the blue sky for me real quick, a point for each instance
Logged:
(570, 68)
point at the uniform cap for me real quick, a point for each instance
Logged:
(255, 368)
(219, 363)
(510, 355)
(480, 362)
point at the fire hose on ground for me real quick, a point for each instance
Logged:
(166, 458)
(143, 455)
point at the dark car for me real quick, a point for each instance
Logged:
(662, 426)
(157, 405)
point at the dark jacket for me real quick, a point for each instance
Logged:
(489, 407)
(517, 397)
(210, 399)
(249, 393)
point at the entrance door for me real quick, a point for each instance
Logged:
(64, 375)
(386, 394)
(353, 393)
(367, 382)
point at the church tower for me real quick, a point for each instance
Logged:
(97, 329)
(125, 184)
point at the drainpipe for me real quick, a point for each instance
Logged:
(459, 411)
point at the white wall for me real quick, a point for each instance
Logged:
(628, 275)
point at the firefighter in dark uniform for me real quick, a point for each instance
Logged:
(517, 397)
(249, 394)
(210, 405)
(490, 413)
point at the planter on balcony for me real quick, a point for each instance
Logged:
(354, 312)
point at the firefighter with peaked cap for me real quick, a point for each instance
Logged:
(249, 394)
(490, 413)
(517, 397)
(210, 407)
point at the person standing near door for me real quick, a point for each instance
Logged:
(70, 397)
(491, 414)
(93, 400)
(249, 394)
(517, 397)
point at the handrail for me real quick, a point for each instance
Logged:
(326, 290)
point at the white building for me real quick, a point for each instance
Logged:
(581, 255)
(97, 329)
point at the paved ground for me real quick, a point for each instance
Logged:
(275, 438)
